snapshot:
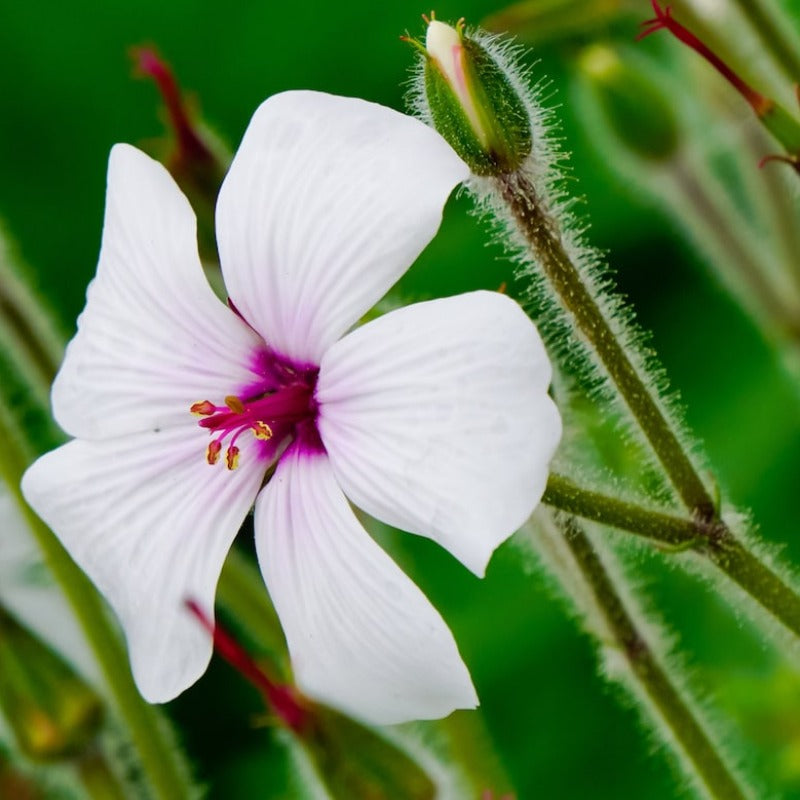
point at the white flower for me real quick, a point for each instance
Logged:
(434, 418)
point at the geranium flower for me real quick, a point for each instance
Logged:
(434, 418)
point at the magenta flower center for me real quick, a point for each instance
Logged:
(276, 409)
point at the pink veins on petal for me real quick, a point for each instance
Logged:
(277, 408)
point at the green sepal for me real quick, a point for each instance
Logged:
(507, 135)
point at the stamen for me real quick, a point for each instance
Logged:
(279, 407)
(203, 409)
(212, 452)
(234, 404)
(262, 431)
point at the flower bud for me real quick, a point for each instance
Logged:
(634, 106)
(52, 712)
(473, 101)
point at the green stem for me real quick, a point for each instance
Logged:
(155, 752)
(668, 529)
(712, 540)
(547, 248)
(689, 734)
(758, 580)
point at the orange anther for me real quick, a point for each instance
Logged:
(203, 409)
(232, 457)
(212, 452)
(234, 404)
(262, 431)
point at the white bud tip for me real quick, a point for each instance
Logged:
(440, 41)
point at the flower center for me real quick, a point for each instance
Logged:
(272, 411)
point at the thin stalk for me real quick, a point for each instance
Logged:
(713, 540)
(549, 252)
(690, 736)
(156, 754)
(666, 529)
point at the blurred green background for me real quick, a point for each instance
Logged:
(67, 95)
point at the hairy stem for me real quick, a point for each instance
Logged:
(668, 529)
(546, 245)
(699, 753)
(712, 540)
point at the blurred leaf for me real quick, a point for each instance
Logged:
(538, 21)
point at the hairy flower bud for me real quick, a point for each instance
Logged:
(473, 101)
(51, 710)
(636, 110)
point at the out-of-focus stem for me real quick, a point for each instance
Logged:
(97, 777)
(32, 326)
(772, 38)
(775, 196)
(779, 310)
(698, 754)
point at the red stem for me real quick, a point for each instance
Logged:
(664, 20)
(283, 700)
(190, 145)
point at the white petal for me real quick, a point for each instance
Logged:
(150, 522)
(28, 590)
(437, 420)
(153, 338)
(328, 202)
(361, 635)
